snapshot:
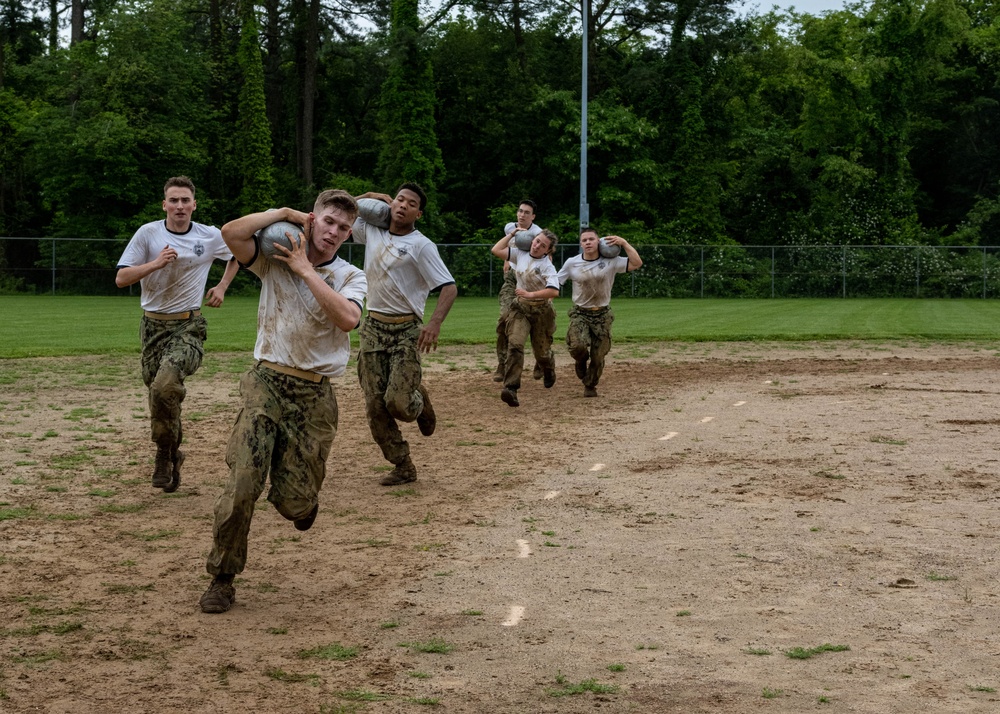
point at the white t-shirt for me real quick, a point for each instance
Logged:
(179, 286)
(532, 274)
(292, 329)
(402, 270)
(533, 230)
(592, 279)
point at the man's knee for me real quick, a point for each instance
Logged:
(168, 385)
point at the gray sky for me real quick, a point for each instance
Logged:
(813, 7)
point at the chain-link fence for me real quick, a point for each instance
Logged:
(87, 267)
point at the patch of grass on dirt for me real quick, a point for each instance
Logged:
(122, 508)
(759, 651)
(806, 653)
(332, 651)
(980, 688)
(769, 693)
(12, 513)
(587, 685)
(81, 413)
(38, 657)
(70, 461)
(432, 646)
(937, 577)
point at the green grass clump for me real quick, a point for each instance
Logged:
(806, 653)
(433, 646)
(334, 651)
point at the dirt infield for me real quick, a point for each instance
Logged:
(727, 528)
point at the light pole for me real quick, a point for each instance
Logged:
(584, 206)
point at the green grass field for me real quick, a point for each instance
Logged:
(38, 326)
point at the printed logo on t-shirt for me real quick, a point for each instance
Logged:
(600, 264)
(403, 252)
(199, 249)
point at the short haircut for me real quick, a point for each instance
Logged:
(590, 229)
(179, 182)
(528, 202)
(553, 240)
(410, 186)
(336, 198)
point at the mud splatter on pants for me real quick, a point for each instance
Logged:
(506, 298)
(171, 351)
(390, 374)
(284, 431)
(534, 319)
(589, 338)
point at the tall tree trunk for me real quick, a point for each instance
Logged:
(76, 22)
(53, 25)
(309, 93)
(522, 56)
(273, 84)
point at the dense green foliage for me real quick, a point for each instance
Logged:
(875, 125)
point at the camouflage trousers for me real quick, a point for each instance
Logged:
(284, 431)
(171, 351)
(535, 320)
(390, 374)
(506, 298)
(589, 339)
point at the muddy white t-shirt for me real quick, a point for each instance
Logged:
(533, 274)
(592, 279)
(292, 328)
(401, 270)
(179, 286)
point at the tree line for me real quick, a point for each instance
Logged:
(707, 124)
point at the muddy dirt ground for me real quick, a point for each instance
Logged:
(726, 528)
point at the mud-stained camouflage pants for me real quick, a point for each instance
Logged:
(171, 351)
(506, 298)
(284, 430)
(536, 320)
(589, 338)
(389, 372)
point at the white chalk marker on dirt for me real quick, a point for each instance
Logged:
(551, 494)
(739, 404)
(516, 613)
(670, 435)
(597, 467)
(523, 549)
(707, 419)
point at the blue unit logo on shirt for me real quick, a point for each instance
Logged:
(199, 249)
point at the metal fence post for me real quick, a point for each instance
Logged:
(843, 272)
(917, 248)
(772, 272)
(702, 271)
(984, 272)
(53, 266)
